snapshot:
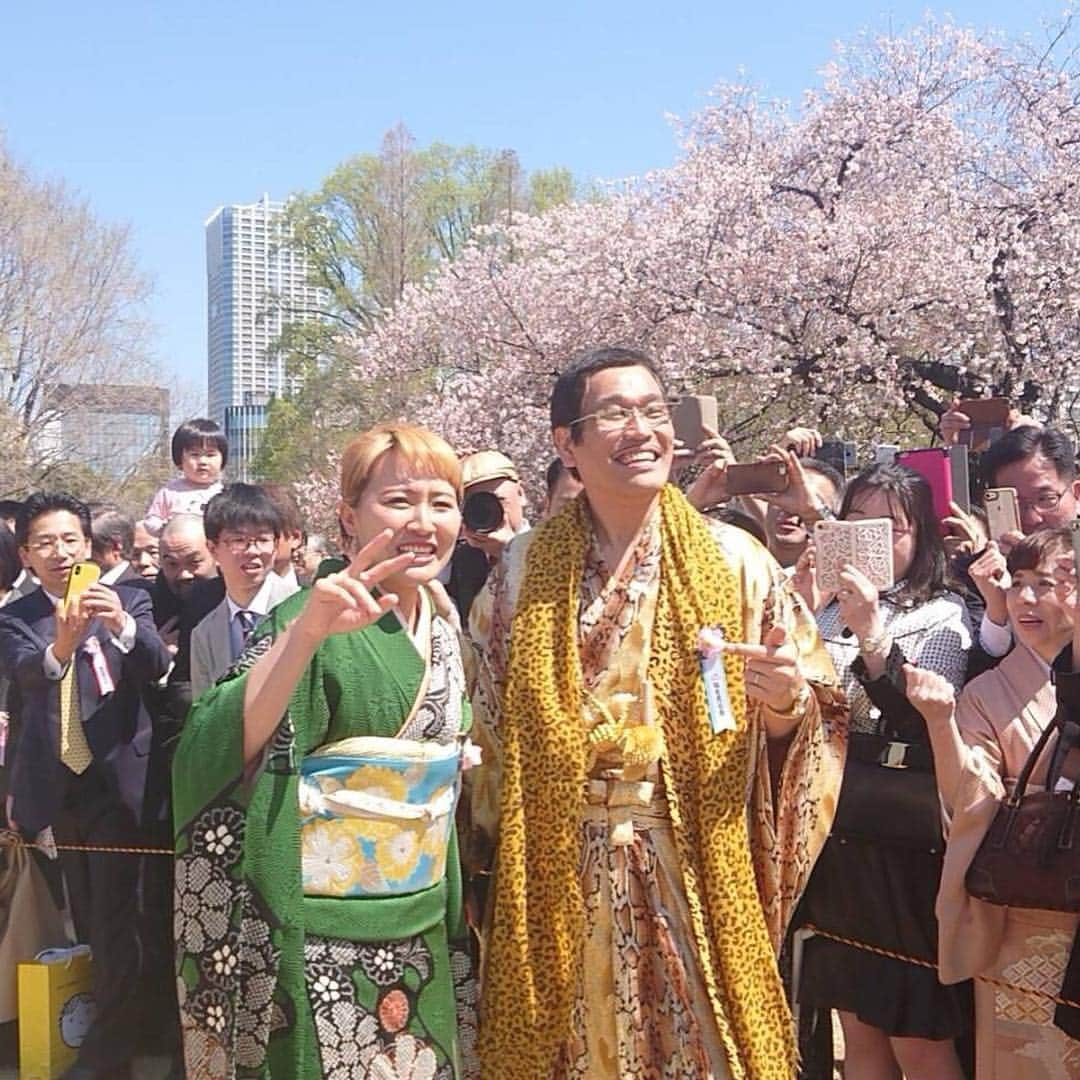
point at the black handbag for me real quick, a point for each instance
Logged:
(889, 794)
(1030, 855)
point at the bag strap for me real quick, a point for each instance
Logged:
(1017, 795)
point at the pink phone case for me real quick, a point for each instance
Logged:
(934, 466)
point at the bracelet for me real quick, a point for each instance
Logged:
(875, 644)
(825, 512)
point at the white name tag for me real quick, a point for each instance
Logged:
(99, 666)
(717, 698)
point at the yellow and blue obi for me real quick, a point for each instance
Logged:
(376, 815)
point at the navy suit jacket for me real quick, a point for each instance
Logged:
(117, 728)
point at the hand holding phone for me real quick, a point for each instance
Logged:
(71, 620)
(866, 545)
(694, 419)
(933, 465)
(101, 602)
(842, 456)
(81, 576)
(757, 477)
(1002, 511)
(988, 419)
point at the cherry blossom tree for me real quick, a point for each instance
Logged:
(909, 233)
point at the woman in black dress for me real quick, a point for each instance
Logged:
(877, 877)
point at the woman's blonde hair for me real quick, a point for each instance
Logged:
(426, 453)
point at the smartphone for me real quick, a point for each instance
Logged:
(961, 478)
(988, 417)
(1002, 511)
(757, 478)
(866, 545)
(82, 576)
(692, 415)
(840, 455)
(885, 453)
(933, 465)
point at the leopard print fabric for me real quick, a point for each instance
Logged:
(538, 922)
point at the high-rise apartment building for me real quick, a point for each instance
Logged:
(256, 285)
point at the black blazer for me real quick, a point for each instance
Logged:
(117, 728)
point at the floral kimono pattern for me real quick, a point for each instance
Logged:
(275, 983)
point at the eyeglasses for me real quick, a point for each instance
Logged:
(45, 544)
(616, 417)
(1044, 502)
(239, 544)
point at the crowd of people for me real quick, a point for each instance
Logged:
(621, 792)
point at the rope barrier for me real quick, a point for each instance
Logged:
(104, 849)
(918, 962)
(877, 950)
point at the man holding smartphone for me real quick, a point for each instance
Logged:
(78, 761)
(1039, 464)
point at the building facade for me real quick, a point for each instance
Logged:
(114, 430)
(256, 285)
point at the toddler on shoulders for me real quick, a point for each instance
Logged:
(200, 451)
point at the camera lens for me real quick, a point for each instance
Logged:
(482, 512)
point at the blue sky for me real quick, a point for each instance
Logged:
(160, 114)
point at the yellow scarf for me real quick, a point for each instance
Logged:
(532, 970)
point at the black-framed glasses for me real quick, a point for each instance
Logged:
(1045, 502)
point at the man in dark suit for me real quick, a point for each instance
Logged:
(185, 588)
(80, 752)
(113, 546)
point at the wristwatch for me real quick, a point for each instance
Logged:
(875, 644)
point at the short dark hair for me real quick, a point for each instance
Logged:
(283, 497)
(240, 506)
(553, 474)
(1039, 547)
(48, 502)
(829, 472)
(569, 390)
(198, 432)
(1025, 442)
(112, 529)
(732, 515)
(10, 563)
(925, 578)
(10, 508)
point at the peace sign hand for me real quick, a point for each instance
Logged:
(342, 602)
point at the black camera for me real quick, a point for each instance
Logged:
(482, 512)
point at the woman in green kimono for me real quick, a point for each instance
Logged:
(305, 945)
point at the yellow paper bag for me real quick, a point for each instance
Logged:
(56, 1009)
